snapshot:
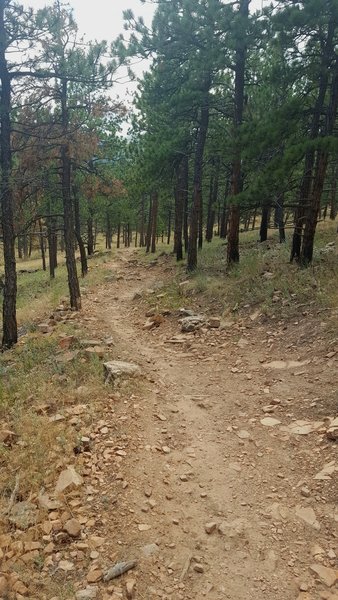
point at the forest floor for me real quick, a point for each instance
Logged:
(215, 469)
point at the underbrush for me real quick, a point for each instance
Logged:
(37, 293)
(263, 281)
(37, 382)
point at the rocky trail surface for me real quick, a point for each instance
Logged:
(215, 469)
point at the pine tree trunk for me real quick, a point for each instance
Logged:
(169, 227)
(9, 323)
(196, 209)
(263, 232)
(52, 247)
(83, 256)
(154, 221)
(306, 185)
(237, 178)
(142, 221)
(109, 233)
(42, 246)
(118, 235)
(150, 214)
(279, 217)
(73, 282)
(90, 236)
(181, 195)
(213, 201)
(319, 178)
(333, 203)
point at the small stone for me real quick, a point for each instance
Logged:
(305, 492)
(303, 587)
(130, 588)
(66, 565)
(144, 527)
(68, 478)
(308, 515)
(210, 527)
(73, 528)
(20, 588)
(94, 576)
(90, 593)
(326, 575)
(150, 550)
(198, 568)
(243, 434)
(214, 323)
(270, 422)
(3, 586)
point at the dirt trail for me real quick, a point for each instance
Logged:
(231, 504)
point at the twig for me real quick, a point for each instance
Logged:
(13, 494)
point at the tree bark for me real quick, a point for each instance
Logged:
(169, 227)
(118, 235)
(333, 203)
(319, 178)
(279, 217)
(263, 231)
(148, 239)
(83, 256)
(90, 236)
(212, 201)
(154, 221)
(196, 209)
(73, 282)
(181, 196)
(305, 188)
(237, 176)
(142, 221)
(10, 329)
(42, 246)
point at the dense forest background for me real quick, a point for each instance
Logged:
(233, 129)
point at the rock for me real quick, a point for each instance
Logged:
(148, 325)
(95, 351)
(23, 515)
(94, 576)
(150, 550)
(44, 328)
(326, 575)
(326, 472)
(3, 586)
(210, 527)
(20, 589)
(332, 434)
(68, 478)
(65, 343)
(270, 422)
(89, 593)
(144, 527)
(47, 503)
(308, 515)
(116, 369)
(193, 323)
(8, 437)
(186, 312)
(305, 492)
(130, 588)
(243, 434)
(66, 565)
(214, 323)
(232, 529)
(284, 364)
(73, 528)
(198, 568)
(303, 427)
